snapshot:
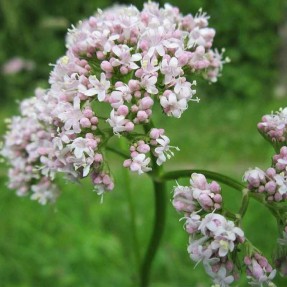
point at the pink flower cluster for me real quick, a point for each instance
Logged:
(119, 64)
(200, 194)
(273, 181)
(274, 126)
(23, 146)
(259, 271)
(213, 239)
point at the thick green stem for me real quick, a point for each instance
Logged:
(132, 218)
(158, 229)
(159, 187)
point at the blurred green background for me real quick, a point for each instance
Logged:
(80, 242)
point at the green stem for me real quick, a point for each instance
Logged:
(158, 229)
(244, 203)
(173, 175)
(131, 206)
(132, 218)
(159, 218)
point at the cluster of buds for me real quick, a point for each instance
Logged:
(119, 63)
(213, 239)
(273, 181)
(270, 183)
(200, 194)
(259, 271)
(274, 126)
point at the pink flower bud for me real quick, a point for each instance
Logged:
(85, 122)
(106, 179)
(146, 103)
(205, 201)
(129, 126)
(111, 186)
(134, 108)
(183, 59)
(271, 172)
(270, 187)
(142, 116)
(88, 113)
(278, 197)
(94, 120)
(123, 110)
(144, 45)
(215, 187)
(217, 198)
(98, 157)
(137, 94)
(92, 143)
(139, 73)
(247, 260)
(127, 163)
(107, 67)
(134, 154)
(154, 133)
(134, 85)
(100, 55)
(143, 148)
(124, 70)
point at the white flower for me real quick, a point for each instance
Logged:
(183, 89)
(44, 192)
(104, 39)
(140, 163)
(254, 176)
(70, 115)
(223, 246)
(80, 147)
(197, 251)
(58, 142)
(211, 223)
(148, 83)
(281, 182)
(173, 106)
(149, 65)
(117, 122)
(120, 95)
(170, 69)
(154, 37)
(220, 278)
(125, 58)
(99, 87)
(163, 151)
(229, 231)
(200, 37)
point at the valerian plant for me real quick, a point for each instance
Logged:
(119, 64)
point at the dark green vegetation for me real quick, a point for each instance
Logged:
(80, 242)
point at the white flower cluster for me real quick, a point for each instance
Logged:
(118, 65)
